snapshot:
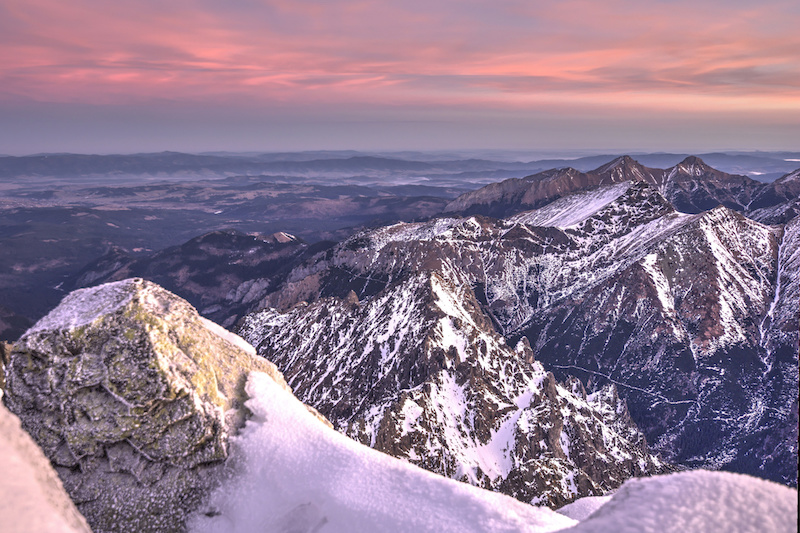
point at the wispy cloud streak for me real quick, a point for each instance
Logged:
(570, 56)
(462, 51)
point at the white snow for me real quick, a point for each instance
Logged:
(661, 284)
(411, 413)
(574, 208)
(293, 473)
(84, 306)
(290, 472)
(582, 508)
(694, 501)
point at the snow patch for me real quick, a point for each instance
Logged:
(572, 209)
(84, 306)
(695, 501)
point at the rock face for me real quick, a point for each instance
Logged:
(419, 372)
(692, 316)
(32, 497)
(133, 397)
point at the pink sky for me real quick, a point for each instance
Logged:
(89, 75)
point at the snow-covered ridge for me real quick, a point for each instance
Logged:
(295, 474)
(572, 209)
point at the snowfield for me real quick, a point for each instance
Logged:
(293, 473)
(290, 472)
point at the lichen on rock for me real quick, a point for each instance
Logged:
(133, 397)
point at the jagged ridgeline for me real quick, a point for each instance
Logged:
(693, 317)
(133, 397)
(418, 371)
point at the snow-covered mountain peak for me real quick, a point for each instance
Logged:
(693, 166)
(621, 161)
(418, 370)
(623, 168)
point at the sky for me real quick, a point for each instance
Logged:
(94, 76)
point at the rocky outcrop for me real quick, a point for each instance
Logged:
(133, 397)
(32, 497)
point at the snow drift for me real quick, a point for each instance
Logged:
(290, 472)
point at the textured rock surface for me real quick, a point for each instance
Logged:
(133, 397)
(32, 498)
(419, 372)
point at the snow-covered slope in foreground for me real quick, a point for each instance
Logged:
(290, 472)
(32, 498)
(293, 473)
(695, 501)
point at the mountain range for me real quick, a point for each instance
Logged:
(546, 337)
(691, 186)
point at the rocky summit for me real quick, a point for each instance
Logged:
(418, 371)
(133, 397)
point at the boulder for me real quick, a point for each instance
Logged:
(133, 397)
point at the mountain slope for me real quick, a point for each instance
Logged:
(621, 289)
(418, 372)
(691, 186)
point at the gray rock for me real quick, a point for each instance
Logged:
(133, 397)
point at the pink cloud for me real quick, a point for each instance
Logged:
(463, 53)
